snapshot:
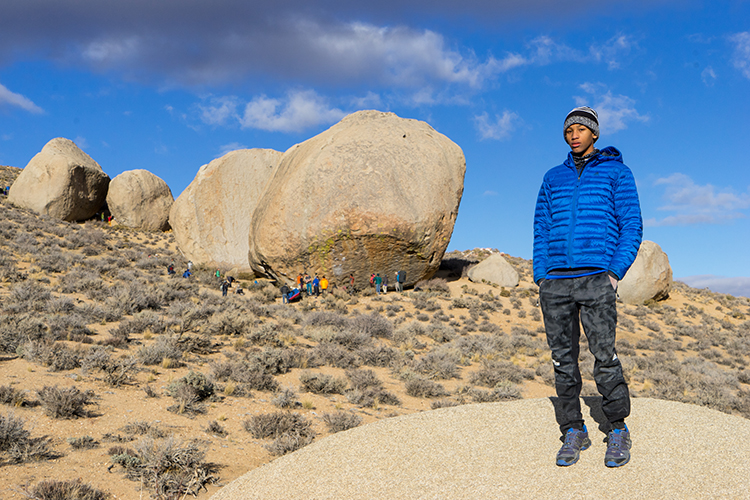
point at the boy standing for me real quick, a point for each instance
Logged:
(587, 231)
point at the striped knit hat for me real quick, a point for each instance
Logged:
(586, 117)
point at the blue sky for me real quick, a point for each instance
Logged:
(170, 85)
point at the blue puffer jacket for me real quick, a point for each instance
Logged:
(589, 221)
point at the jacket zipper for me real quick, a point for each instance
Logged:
(573, 212)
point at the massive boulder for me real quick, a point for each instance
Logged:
(141, 200)
(494, 270)
(61, 181)
(649, 278)
(211, 218)
(374, 193)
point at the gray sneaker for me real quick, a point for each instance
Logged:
(575, 442)
(618, 448)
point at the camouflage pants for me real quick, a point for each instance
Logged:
(591, 301)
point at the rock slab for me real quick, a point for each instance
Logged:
(649, 278)
(506, 451)
(494, 270)
(374, 193)
(61, 181)
(140, 200)
(211, 219)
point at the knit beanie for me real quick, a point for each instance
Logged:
(586, 117)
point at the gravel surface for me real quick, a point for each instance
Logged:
(507, 450)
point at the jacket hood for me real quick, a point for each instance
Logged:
(610, 153)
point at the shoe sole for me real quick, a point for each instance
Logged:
(612, 463)
(584, 446)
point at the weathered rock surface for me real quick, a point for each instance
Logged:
(650, 276)
(211, 218)
(141, 200)
(374, 193)
(61, 181)
(496, 270)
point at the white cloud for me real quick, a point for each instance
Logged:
(369, 101)
(499, 128)
(228, 148)
(112, 51)
(489, 192)
(615, 111)
(696, 204)
(81, 142)
(13, 99)
(737, 286)
(219, 110)
(741, 55)
(610, 51)
(709, 76)
(298, 111)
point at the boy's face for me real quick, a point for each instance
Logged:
(580, 138)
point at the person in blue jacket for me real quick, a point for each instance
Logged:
(587, 232)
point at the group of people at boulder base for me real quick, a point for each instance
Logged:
(312, 286)
(381, 282)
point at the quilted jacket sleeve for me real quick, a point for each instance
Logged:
(541, 232)
(629, 223)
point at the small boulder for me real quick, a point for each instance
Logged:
(61, 181)
(494, 270)
(374, 193)
(649, 278)
(141, 200)
(211, 219)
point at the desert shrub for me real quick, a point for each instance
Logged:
(199, 384)
(493, 372)
(69, 327)
(143, 428)
(29, 296)
(443, 403)
(165, 347)
(53, 262)
(334, 355)
(11, 396)
(504, 391)
(422, 317)
(434, 285)
(380, 356)
(65, 402)
(438, 364)
(321, 383)
(53, 489)
(288, 443)
(172, 469)
(361, 379)
(231, 321)
(16, 444)
(277, 424)
(286, 398)
(440, 333)
(265, 335)
(372, 325)
(318, 319)
(82, 281)
(215, 428)
(341, 421)
(253, 376)
(54, 355)
(419, 387)
(371, 397)
(82, 443)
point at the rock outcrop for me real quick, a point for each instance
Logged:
(141, 200)
(374, 193)
(494, 270)
(650, 276)
(61, 181)
(211, 219)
